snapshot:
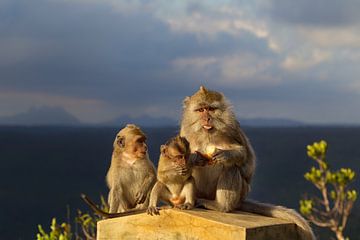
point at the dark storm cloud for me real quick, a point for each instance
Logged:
(321, 12)
(89, 50)
(78, 53)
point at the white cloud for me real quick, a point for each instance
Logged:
(195, 63)
(247, 69)
(209, 20)
(237, 45)
(335, 37)
(305, 60)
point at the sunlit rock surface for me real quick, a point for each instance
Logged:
(196, 224)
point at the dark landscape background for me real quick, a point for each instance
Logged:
(44, 169)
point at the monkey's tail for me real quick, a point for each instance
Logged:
(304, 230)
(100, 212)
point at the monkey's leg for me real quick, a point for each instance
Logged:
(117, 201)
(113, 201)
(188, 192)
(143, 195)
(228, 191)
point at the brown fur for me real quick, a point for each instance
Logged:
(174, 185)
(224, 183)
(131, 174)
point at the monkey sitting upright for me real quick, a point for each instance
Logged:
(131, 175)
(210, 126)
(174, 185)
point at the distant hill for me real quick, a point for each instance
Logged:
(270, 122)
(147, 121)
(44, 115)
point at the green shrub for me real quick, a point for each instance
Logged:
(336, 200)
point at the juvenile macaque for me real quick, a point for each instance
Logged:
(131, 175)
(224, 159)
(174, 185)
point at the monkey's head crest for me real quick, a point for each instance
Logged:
(203, 89)
(130, 129)
(204, 95)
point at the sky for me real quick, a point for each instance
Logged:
(102, 59)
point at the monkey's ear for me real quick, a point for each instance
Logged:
(120, 141)
(163, 149)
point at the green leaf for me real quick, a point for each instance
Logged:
(306, 207)
(351, 195)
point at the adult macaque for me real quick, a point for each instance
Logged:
(174, 185)
(213, 131)
(225, 159)
(131, 175)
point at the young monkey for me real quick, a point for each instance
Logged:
(131, 174)
(130, 177)
(174, 185)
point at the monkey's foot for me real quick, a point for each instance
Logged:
(185, 206)
(153, 211)
(213, 205)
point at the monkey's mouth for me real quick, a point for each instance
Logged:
(207, 127)
(141, 154)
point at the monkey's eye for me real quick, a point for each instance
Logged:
(141, 140)
(211, 109)
(200, 110)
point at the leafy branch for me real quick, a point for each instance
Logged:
(333, 207)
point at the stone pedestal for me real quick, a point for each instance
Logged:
(196, 224)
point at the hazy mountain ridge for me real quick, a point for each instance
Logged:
(44, 115)
(54, 116)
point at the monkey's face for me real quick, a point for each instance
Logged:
(205, 114)
(204, 111)
(131, 141)
(177, 151)
(136, 146)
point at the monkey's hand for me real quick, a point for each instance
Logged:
(197, 159)
(153, 211)
(140, 197)
(185, 206)
(182, 170)
(221, 157)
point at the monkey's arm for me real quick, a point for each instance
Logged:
(158, 192)
(197, 159)
(145, 188)
(230, 157)
(173, 170)
(117, 200)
